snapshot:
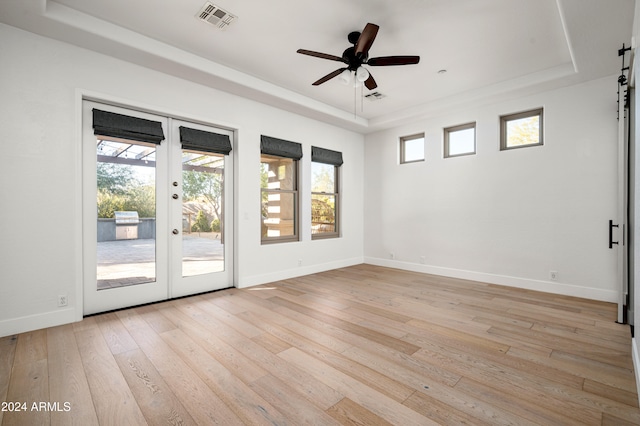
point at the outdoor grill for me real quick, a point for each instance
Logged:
(126, 225)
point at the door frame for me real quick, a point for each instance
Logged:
(82, 95)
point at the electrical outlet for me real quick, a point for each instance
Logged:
(392, 256)
(62, 300)
(299, 262)
(553, 275)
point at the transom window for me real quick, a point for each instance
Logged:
(521, 130)
(460, 140)
(412, 148)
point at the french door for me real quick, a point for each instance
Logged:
(157, 208)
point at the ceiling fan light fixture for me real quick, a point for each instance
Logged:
(345, 77)
(362, 74)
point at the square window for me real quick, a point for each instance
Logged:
(412, 148)
(460, 140)
(521, 130)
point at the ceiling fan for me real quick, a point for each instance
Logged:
(357, 55)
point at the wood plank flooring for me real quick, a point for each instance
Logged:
(362, 345)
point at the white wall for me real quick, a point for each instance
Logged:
(505, 217)
(41, 81)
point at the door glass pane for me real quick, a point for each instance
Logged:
(126, 206)
(202, 213)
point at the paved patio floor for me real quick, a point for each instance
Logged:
(129, 262)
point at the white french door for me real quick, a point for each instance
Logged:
(201, 216)
(157, 218)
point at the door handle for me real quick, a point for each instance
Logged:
(611, 226)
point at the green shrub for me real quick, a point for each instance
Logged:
(140, 199)
(201, 224)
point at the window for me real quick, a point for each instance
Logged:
(460, 140)
(521, 130)
(279, 189)
(412, 148)
(325, 165)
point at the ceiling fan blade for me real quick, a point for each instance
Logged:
(366, 39)
(370, 83)
(329, 76)
(320, 55)
(384, 61)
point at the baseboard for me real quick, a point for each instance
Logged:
(35, 322)
(296, 272)
(524, 283)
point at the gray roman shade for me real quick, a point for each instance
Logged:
(200, 140)
(321, 155)
(126, 127)
(280, 147)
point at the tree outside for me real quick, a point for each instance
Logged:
(120, 189)
(204, 187)
(202, 223)
(524, 131)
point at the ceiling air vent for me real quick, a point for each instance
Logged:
(215, 16)
(375, 96)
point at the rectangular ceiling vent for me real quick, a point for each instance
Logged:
(215, 15)
(375, 96)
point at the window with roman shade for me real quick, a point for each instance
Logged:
(325, 165)
(279, 189)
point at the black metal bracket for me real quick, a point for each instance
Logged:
(623, 79)
(611, 226)
(624, 50)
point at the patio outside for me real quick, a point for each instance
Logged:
(130, 262)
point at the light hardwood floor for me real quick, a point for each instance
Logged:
(361, 345)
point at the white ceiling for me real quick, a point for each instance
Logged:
(490, 48)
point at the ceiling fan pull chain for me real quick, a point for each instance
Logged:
(355, 101)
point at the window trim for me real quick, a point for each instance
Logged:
(336, 195)
(504, 119)
(296, 204)
(403, 140)
(452, 129)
